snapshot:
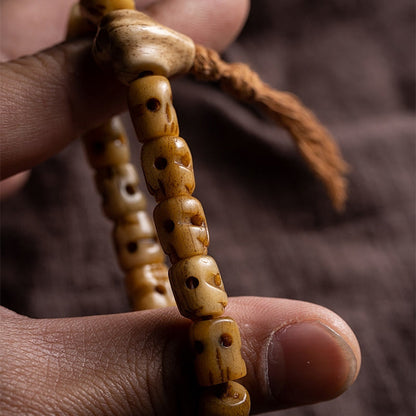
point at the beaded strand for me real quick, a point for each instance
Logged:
(179, 217)
(137, 248)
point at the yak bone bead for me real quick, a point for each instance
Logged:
(198, 288)
(167, 167)
(133, 45)
(94, 10)
(107, 144)
(181, 227)
(148, 287)
(135, 241)
(217, 347)
(228, 399)
(118, 186)
(151, 108)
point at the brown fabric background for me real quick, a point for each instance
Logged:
(272, 228)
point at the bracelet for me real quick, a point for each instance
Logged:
(143, 55)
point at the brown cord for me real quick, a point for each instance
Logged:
(313, 141)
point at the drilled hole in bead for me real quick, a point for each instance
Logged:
(169, 226)
(199, 347)
(226, 340)
(160, 163)
(192, 282)
(98, 148)
(153, 104)
(132, 247)
(197, 220)
(160, 289)
(130, 189)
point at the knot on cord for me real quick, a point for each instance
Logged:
(313, 141)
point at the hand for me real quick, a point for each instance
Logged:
(139, 363)
(136, 363)
(50, 98)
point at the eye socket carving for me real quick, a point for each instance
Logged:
(153, 105)
(161, 163)
(192, 282)
(226, 340)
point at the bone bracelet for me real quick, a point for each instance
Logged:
(143, 54)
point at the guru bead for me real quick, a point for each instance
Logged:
(107, 144)
(94, 10)
(151, 108)
(181, 227)
(118, 186)
(198, 287)
(135, 45)
(135, 241)
(149, 288)
(217, 348)
(167, 167)
(228, 399)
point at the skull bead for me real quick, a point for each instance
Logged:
(135, 241)
(118, 186)
(181, 227)
(151, 108)
(148, 287)
(107, 144)
(217, 346)
(228, 399)
(167, 167)
(198, 287)
(133, 45)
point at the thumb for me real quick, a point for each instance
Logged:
(140, 363)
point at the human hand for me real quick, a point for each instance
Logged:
(140, 363)
(136, 363)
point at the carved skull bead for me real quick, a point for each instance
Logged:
(135, 241)
(151, 108)
(148, 287)
(167, 167)
(107, 144)
(94, 10)
(181, 227)
(228, 399)
(198, 287)
(135, 45)
(118, 186)
(217, 346)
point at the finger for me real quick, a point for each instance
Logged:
(10, 186)
(48, 99)
(139, 363)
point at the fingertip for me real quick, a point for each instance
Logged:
(214, 23)
(296, 352)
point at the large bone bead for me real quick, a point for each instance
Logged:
(151, 108)
(107, 144)
(228, 399)
(94, 10)
(135, 45)
(181, 227)
(167, 167)
(217, 347)
(148, 287)
(135, 241)
(198, 288)
(118, 186)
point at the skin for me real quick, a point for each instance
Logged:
(136, 363)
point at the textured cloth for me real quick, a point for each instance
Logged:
(273, 231)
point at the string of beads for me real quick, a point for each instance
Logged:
(179, 217)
